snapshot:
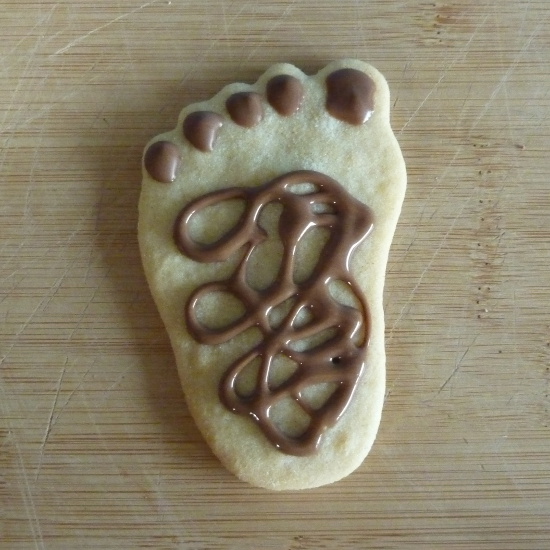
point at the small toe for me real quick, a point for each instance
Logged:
(285, 94)
(201, 129)
(245, 108)
(162, 160)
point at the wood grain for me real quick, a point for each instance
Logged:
(97, 447)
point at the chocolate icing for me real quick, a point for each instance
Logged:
(201, 129)
(285, 94)
(162, 160)
(350, 96)
(245, 108)
(339, 359)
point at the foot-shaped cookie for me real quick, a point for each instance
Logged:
(265, 222)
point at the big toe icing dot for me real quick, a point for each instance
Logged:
(162, 160)
(350, 96)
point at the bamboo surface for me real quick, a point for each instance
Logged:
(97, 447)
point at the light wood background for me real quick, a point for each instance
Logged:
(97, 447)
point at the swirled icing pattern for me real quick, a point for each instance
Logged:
(339, 359)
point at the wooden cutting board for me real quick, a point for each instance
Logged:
(97, 447)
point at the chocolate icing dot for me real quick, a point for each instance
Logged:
(339, 360)
(285, 94)
(350, 96)
(201, 129)
(162, 160)
(245, 108)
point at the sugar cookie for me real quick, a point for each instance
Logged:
(265, 222)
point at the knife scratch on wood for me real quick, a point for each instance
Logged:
(101, 27)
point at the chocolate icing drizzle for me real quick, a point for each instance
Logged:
(340, 358)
